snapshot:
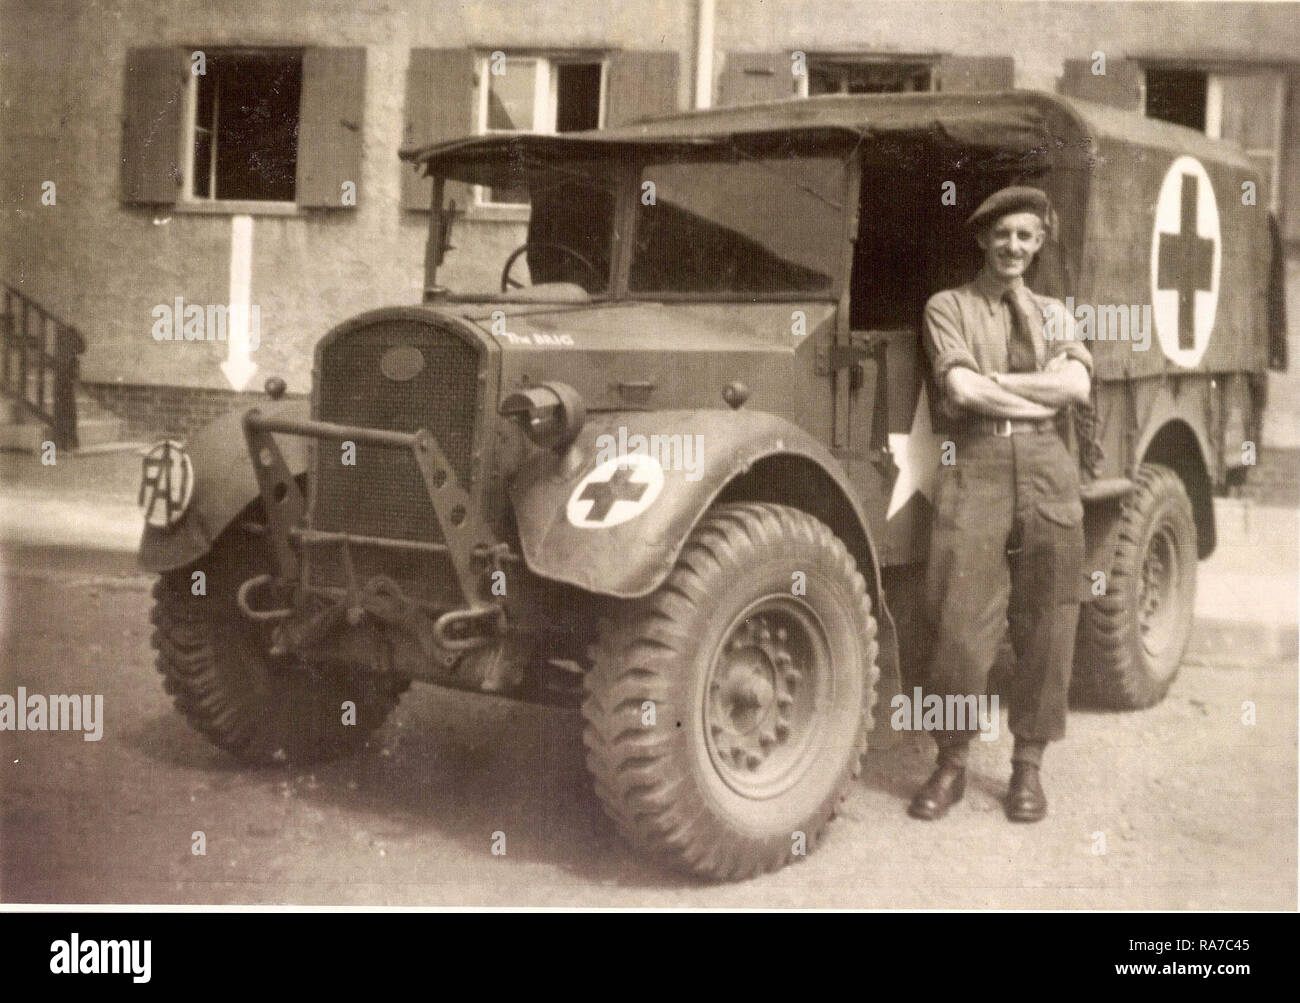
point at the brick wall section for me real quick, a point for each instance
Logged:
(152, 412)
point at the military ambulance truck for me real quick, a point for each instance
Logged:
(673, 465)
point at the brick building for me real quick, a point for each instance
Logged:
(270, 179)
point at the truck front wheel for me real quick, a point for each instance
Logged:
(216, 666)
(727, 712)
(1131, 640)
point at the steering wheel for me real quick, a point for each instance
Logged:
(507, 283)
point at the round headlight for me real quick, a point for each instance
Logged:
(552, 414)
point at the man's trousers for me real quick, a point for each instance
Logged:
(1007, 545)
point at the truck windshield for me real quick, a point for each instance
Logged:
(567, 243)
(754, 224)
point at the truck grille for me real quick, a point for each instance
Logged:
(383, 495)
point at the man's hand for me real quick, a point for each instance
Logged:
(975, 392)
(1063, 381)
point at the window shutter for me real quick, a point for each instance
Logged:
(1277, 330)
(153, 113)
(330, 117)
(1252, 112)
(969, 74)
(1289, 195)
(750, 77)
(641, 85)
(1121, 85)
(440, 92)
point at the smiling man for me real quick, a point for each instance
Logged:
(1007, 541)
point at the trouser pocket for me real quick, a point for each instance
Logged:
(1052, 551)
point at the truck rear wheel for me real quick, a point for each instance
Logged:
(216, 666)
(727, 712)
(1132, 639)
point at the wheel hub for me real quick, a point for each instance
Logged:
(760, 703)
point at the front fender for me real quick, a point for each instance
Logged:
(632, 558)
(564, 540)
(224, 485)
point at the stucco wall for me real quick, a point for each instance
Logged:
(1039, 35)
(104, 266)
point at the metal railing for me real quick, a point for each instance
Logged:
(41, 364)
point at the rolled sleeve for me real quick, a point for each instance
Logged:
(1065, 342)
(943, 338)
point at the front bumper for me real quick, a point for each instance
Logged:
(469, 544)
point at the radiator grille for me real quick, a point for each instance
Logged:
(384, 495)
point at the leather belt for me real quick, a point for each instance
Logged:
(1007, 427)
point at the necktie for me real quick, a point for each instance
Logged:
(1021, 357)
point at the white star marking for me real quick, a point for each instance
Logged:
(916, 454)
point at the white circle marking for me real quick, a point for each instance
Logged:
(596, 503)
(1198, 268)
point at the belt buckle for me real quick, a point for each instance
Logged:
(1002, 428)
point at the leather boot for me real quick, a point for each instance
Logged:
(944, 789)
(1026, 801)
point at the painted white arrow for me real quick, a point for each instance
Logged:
(238, 367)
(916, 454)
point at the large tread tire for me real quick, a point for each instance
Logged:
(1117, 664)
(663, 785)
(260, 709)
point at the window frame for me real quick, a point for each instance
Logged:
(186, 200)
(1215, 71)
(844, 60)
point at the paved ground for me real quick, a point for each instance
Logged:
(1196, 809)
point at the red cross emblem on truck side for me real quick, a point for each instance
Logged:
(1186, 256)
(1186, 262)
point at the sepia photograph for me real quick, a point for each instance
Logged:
(692, 455)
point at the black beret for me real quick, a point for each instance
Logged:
(1017, 198)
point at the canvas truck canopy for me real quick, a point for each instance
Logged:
(1176, 223)
(1027, 123)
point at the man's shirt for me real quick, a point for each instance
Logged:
(970, 326)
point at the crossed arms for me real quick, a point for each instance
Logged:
(1020, 395)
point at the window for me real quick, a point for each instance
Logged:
(267, 131)
(533, 93)
(836, 75)
(758, 225)
(242, 116)
(565, 245)
(1241, 104)
(1178, 96)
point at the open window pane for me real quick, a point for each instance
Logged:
(246, 126)
(1177, 95)
(577, 96)
(511, 96)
